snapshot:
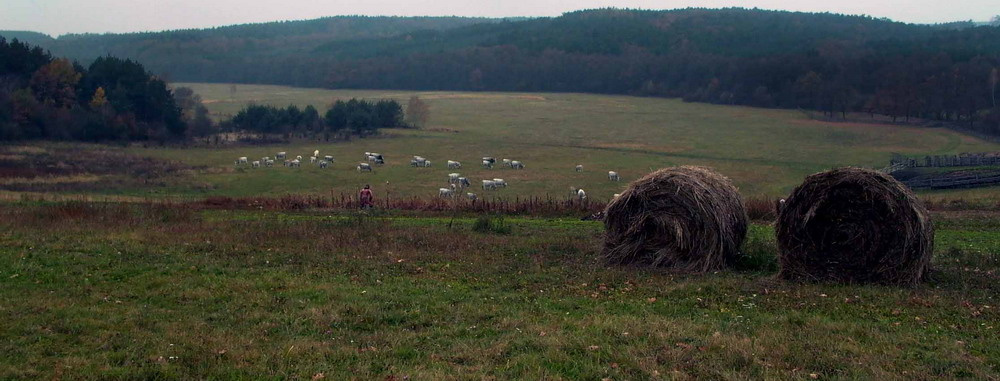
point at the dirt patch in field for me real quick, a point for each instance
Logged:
(642, 147)
(441, 129)
(485, 96)
(89, 168)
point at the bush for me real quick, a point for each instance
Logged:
(488, 224)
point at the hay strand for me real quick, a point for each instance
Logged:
(854, 225)
(687, 218)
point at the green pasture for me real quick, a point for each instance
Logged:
(766, 152)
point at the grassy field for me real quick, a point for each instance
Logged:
(126, 291)
(766, 152)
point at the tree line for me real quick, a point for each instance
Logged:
(827, 62)
(42, 97)
(831, 63)
(343, 119)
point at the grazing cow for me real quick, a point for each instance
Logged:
(500, 183)
(453, 178)
(255, 164)
(613, 176)
(280, 156)
(516, 165)
(312, 159)
(364, 167)
(454, 164)
(489, 185)
(328, 158)
(295, 163)
(506, 162)
(463, 182)
(487, 164)
(269, 163)
(324, 164)
(447, 192)
(241, 160)
(419, 161)
(579, 167)
(471, 196)
(264, 159)
(581, 195)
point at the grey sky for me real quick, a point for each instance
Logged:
(57, 17)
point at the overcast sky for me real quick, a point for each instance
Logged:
(56, 17)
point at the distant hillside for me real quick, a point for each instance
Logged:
(237, 42)
(33, 38)
(827, 62)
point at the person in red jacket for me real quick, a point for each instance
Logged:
(366, 197)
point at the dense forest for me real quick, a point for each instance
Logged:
(833, 63)
(42, 97)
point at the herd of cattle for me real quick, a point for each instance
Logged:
(456, 182)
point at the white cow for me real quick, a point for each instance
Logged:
(453, 178)
(500, 183)
(447, 192)
(489, 185)
(613, 176)
(579, 167)
(324, 164)
(328, 158)
(299, 158)
(241, 160)
(316, 153)
(506, 162)
(364, 167)
(463, 182)
(487, 164)
(454, 164)
(312, 159)
(471, 196)
(581, 195)
(269, 163)
(255, 164)
(295, 163)
(516, 164)
(280, 156)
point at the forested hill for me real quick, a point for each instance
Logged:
(762, 58)
(33, 38)
(228, 44)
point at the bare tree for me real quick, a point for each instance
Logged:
(994, 78)
(417, 112)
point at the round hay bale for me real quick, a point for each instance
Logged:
(688, 218)
(854, 225)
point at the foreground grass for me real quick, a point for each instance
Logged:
(132, 291)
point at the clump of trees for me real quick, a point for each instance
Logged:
(343, 119)
(42, 97)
